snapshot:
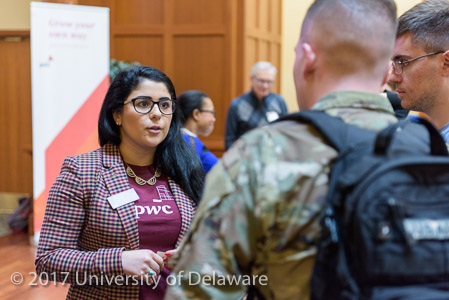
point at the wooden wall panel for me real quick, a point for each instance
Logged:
(264, 20)
(251, 13)
(276, 15)
(147, 50)
(250, 55)
(200, 12)
(264, 52)
(15, 113)
(103, 3)
(61, 1)
(196, 68)
(276, 59)
(138, 12)
(262, 35)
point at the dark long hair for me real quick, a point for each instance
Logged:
(189, 101)
(173, 156)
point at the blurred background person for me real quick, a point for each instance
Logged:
(198, 118)
(257, 107)
(111, 210)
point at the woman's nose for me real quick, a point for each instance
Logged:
(155, 112)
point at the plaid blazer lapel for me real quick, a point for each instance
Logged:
(116, 182)
(186, 208)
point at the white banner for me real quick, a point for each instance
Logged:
(70, 77)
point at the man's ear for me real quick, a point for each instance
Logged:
(196, 114)
(309, 60)
(446, 63)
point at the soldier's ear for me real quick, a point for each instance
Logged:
(309, 60)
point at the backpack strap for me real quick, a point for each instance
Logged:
(437, 144)
(343, 137)
(338, 133)
(385, 137)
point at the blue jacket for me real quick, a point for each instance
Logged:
(208, 159)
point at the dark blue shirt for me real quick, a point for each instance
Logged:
(247, 112)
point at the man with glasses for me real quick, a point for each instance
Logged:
(420, 64)
(257, 107)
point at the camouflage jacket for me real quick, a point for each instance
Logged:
(261, 204)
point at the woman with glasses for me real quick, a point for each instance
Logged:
(198, 118)
(114, 216)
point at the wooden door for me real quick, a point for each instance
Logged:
(15, 113)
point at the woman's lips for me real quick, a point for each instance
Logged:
(155, 129)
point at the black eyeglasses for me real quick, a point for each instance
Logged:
(398, 66)
(261, 81)
(144, 105)
(208, 110)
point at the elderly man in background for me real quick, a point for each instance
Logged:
(257, 107)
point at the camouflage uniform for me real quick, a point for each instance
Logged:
(261, 203)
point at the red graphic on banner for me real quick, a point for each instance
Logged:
(78, 136)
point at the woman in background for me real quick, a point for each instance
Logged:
(198, 119)
(121, 210)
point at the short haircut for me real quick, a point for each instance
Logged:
(173, 156)
(263, 65)
(189, 101)
(428, 23)
(354, 36)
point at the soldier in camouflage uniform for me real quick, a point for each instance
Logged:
(258, 216)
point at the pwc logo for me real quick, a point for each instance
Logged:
(46, 63)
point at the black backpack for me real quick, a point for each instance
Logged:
(385, 227)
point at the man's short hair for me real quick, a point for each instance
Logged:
(354, 35)
(428, 22)
(263, 65)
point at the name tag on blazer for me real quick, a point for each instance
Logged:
(123, 198)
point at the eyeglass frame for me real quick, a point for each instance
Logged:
(208, 110)
(261, 81)
(405, 63)
(173, 102)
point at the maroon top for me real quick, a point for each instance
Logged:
(159, 222)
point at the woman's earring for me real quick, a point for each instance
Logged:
(118, 123)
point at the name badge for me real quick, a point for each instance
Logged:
(123, 198)
(426, 229)
(272, 116)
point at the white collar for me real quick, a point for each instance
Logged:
(188, 132)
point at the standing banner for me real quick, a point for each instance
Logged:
(70, 77)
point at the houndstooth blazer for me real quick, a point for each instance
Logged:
(82, 237)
